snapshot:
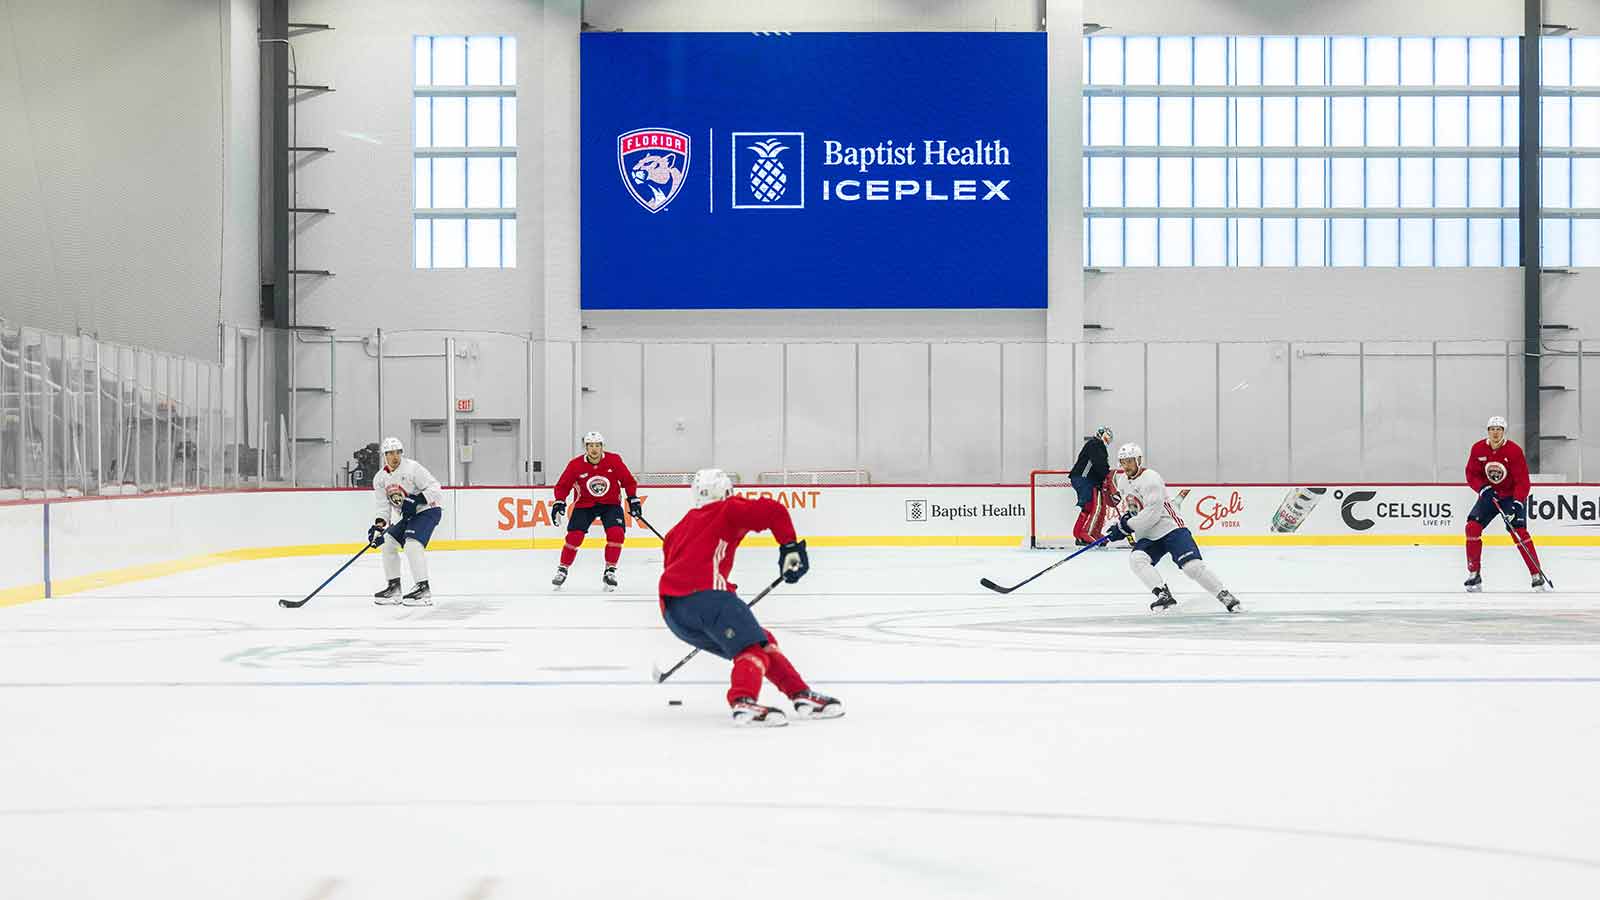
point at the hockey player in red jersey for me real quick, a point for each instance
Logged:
(701, 608)
(602, 480)
(1498, 471)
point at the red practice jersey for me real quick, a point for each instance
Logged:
(1515, 485)
(604, 483)
(698, 553)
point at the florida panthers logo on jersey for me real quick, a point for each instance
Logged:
(597, 485)
(1131, 504)
(1495, 472)
(653, 163)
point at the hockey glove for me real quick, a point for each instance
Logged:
(408, 506)
(1123, 528)
(1513, 509)
(1115, 533)
(558, 511)
(376, 532)
(634, 507)
(1487, 491)
(792, 561)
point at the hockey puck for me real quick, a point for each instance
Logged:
(674, 702)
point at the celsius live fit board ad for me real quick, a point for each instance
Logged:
(806, 171)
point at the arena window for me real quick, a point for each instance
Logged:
(465, 145)
(1331, 151)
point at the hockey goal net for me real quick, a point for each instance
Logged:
(1052, 509)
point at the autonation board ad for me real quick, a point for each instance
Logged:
(808, 171)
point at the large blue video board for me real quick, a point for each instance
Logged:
(813, 171)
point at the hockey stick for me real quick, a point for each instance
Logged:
(659, 676)
(296, 604)
(1006, 590)
(1527, 556)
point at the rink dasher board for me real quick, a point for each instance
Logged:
(96, 542)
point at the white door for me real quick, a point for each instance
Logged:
(429, 447)
(492, 452)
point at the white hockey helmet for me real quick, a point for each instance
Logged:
(391, 444)
(593, 437)
(1495, 422)
(709, 486)
(1130, 451)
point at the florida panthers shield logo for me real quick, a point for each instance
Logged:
(598, 485)
(653, 163)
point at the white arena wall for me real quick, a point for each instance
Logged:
(644, 377)
(588, 368)
(93, 543)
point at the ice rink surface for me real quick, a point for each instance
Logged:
(1365, 728)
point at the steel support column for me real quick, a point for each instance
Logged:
(1528, 203)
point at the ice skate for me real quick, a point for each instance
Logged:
(608, 580)
(812, 705)
(390, 595)
(1229, 601)
(747, 711)
(419, 595)
(1541, 583)
(1163, 599)
(561, 576)
(1474, 583)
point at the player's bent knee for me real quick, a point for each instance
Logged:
(755, 655)
(1139, 559)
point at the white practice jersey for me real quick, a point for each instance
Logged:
(1145, 495)
(414, 479)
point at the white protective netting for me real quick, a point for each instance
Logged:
(816, 476)
(1052, 509)
(659, 478)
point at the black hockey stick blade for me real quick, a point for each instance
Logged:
(296, 604)
(1006, 590)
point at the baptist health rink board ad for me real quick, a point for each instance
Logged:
(805, 171)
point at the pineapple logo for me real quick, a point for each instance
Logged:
(767, 177)
(769, 170)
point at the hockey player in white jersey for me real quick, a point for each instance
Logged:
(1157, 531)
(403, 486)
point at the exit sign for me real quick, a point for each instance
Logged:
(464, 404)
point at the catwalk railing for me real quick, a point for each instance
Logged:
(280, 408)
